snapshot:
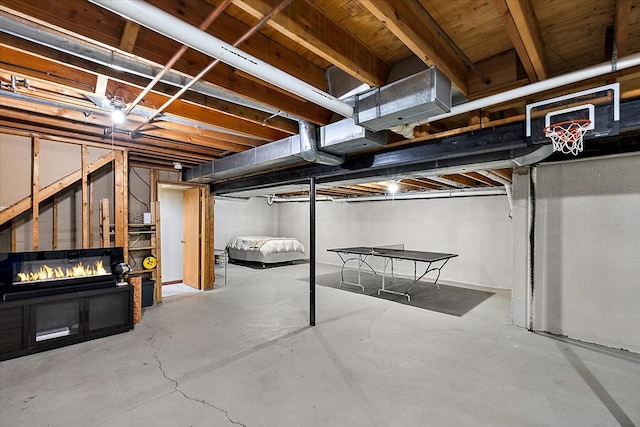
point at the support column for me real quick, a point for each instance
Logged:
(521, 214)
(312, 251)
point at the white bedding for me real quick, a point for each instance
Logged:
(266, 245)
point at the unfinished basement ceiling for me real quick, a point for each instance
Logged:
(66, 64)
(416, 185)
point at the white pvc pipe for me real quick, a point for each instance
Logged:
(176, 29)
(524, 91)
(541, 86)
(505, 183)
(438, 194)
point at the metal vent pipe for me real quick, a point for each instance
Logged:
(176, 29)
(309, 147)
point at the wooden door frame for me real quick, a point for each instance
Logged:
(206, 229)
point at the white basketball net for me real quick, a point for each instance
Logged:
(567, 136)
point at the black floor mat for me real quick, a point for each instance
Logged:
(449, 299)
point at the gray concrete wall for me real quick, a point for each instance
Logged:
(240, 217)
(477, 228)
(520, 294)
(587, 273)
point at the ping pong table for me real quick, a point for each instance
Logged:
(389, 254)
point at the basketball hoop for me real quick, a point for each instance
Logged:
(567, 136)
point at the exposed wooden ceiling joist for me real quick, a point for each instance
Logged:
(483, 47)
(307, 26)
(621, 26)
(406, 20)
(521, 24)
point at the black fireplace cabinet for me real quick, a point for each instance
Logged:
(51, 299)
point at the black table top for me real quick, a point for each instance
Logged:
(395, 253)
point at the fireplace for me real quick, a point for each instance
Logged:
(31, 274)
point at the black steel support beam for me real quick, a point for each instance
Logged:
(485, 145)
(490, 144)
(312, 251)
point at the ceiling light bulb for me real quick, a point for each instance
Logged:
(117, 116)
(177, 165)
(393, 187)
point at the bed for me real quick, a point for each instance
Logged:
(265, 249)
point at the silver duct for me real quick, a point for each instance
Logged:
(309, 147)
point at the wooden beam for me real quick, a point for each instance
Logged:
(461, 179)
(420, 183)
(210, 231)
(85, 198)
(35, 192)
(520, 21)
(54, 211)
(120, 202)
(623, 14)
(101, 85)
(155, 212)
(158, 49)
(153, 185)
(303, 23)
(407, 21)
(506, 173)
(14, 235)
(129, 36)
(504, 73)
(106, 224)
(92, 135)
(50, 190)
(481, 178)
(91, 213)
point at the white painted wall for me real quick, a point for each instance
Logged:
(587, 274)
(171, 232)
(477, 228)
(240, 217)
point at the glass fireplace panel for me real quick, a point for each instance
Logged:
(107, 311)
(56, 319)
(39, 270)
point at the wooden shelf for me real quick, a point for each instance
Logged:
(139, 239)
(143, 271)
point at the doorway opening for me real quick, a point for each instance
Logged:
(186, 229)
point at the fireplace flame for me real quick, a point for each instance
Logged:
(47, 273)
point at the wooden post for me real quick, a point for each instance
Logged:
(211, 261)
(106, 224)
(120, 204)
(153, 184)
(155, 212)
(136, 282)
(85, 200)
(54, 212)
(14, 235)
(91, 213)
(35, 189)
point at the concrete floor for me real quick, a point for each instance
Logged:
(244, 355)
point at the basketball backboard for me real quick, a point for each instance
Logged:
(600, 105)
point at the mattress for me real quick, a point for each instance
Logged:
(265, 249)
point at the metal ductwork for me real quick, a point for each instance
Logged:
(326, 145)
(309, 148)
(121, 61)
(173, 27)
(414, 98)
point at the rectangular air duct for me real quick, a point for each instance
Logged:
(346, 137)
(337, 138)
(412, 99)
